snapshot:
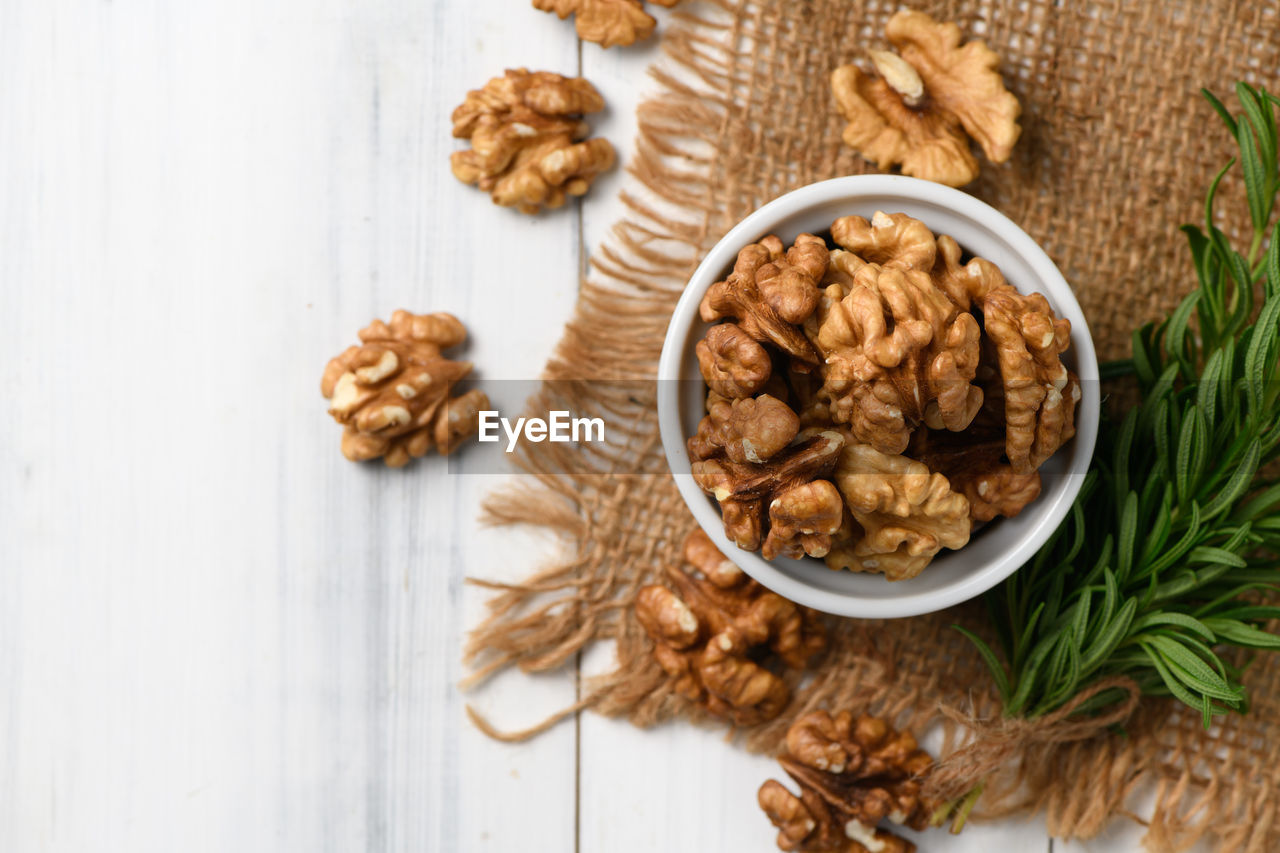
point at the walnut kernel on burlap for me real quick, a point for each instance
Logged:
(1116, 152)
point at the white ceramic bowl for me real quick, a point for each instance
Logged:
(1007, 543)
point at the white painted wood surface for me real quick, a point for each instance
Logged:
(215, 633)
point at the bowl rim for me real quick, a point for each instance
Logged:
(685, 317)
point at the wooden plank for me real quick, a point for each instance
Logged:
(217, 633)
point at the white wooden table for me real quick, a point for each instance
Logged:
(216, 634)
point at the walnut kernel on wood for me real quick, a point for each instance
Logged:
(606, 22)
(528, 140)
(711, 629)
(853, 773)
(392, 393)
(916, 111)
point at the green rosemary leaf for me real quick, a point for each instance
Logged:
(1262, 122)
(1207, 555)
(1029, 632)
(1227, 403)
(1159, 531)
(1193, 446)
(1200, 652)
(1251, 163)
(1192, 670)
(1185, 544)
(1110, 637)
(1273, 263)
(1128, 535)
(1259, 358)
(1256, 612)
(1243, 295)
(1055, 668)
(1066, 676)
(1179, 620)
(1213, 188)
(1160, 431)
(1237, 485)
(1142, 366)
(1120, 463)
(1031, 673)
(1186, 582)
(993, 663)
(1199, 246)
(1220, 110)
(1110, 597)
(1176, 340)
(1115, 369)
(1080, 615)
(1266, 502)
(1174, 685)
(1076, 523)
(1103, 560)
(1241, 634)
(1207, 388)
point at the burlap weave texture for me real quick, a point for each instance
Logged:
(1117, 151)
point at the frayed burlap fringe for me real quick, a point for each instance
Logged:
(1117, 150)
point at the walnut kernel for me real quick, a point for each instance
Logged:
(392, 392)
(606, 22)
(528, 143)
(915, 112)
(710, 630)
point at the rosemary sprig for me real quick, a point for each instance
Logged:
(1150, 574)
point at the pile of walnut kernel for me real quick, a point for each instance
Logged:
(852, 773)
(873, 403)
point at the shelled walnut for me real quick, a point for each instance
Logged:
(1040, 393)
(528, 140)
(785, 487)
(711, 629)
(898, 352)
(874, 402)
(392, 392)
(974, 462)
(922, 101)
(906, 512)
(852, 774)
(770, 292)
(606, 22)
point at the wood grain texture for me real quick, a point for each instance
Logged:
(215, 633)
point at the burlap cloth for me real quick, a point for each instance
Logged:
(1117, 150)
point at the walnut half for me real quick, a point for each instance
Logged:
(907, 513)
(528, 145)
(392, 393)
(606, 22)
(853, 773)
(922, 101)
(711, 630)
(898, 351)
